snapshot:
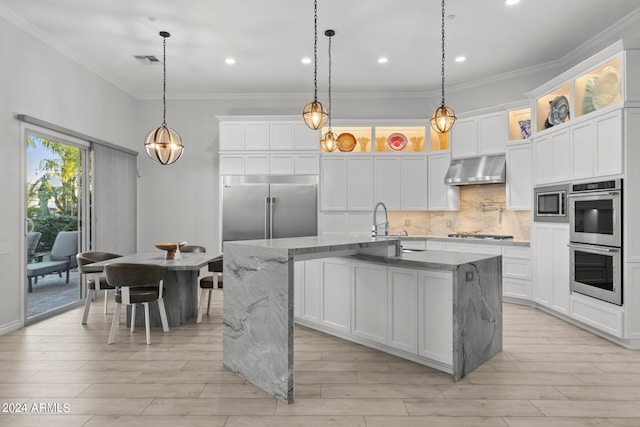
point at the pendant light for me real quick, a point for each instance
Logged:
(163, 144)
(313, 113)
(329, 141)
(443, 117)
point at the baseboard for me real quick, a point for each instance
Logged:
(10, 327)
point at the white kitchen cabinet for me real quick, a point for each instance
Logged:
(551, 265)
(387, 182)
(517, 272)
(231, 136)
(360, 183)
(306, 164)
(311, 292)
(256, 135)
(231, 164)
(281, 164)
(336, 294)
(480, 135)
(414, 183)
(464, 138)
(256, 164)
(346, 183)
(582, 150)
(519, 177)
(441, 197)
(608, 144)
(552, 153)
(474, 248)
(305, 138)
(402, 314)
(369, 301)
(333, 188)
(281, 135)
(435, 316)
(401, 182)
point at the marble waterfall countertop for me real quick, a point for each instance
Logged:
(259, 292)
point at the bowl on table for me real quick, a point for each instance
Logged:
(170, 247)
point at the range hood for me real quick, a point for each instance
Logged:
(477, 170)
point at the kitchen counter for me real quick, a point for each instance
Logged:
(507, 242)
(259, 316)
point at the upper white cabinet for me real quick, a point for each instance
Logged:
(346, 183)
(401, 182)
(480, 135)
(441, 197)
(270, 133)
(551, 156)
(519, 177)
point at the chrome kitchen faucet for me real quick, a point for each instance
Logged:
(374, 227)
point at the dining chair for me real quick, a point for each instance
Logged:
(97, 282)
(193, 248)
(208, 284)
(136, 284)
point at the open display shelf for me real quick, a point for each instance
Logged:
(519, 122)
(400, 139)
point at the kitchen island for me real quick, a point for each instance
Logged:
(259, 295)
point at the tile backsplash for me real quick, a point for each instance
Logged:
(482, 210)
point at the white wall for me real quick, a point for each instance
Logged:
(38, 81)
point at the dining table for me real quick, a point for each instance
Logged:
(180, 282)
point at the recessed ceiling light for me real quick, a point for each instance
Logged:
(511, 2)
(461, 58)
(383, 60)
(306, 60)
(230, 61)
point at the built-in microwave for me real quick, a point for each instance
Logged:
(550, 203)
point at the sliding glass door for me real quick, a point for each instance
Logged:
(56, 204)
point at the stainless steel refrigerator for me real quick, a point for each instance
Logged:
(269, 206)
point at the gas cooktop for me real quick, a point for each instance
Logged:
(480, 236)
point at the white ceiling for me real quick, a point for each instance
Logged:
(269, 38)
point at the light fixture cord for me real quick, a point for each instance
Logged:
(442, 53)
(315, 51)
(330, 83)
(164, 82)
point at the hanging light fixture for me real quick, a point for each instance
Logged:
(313, 113)
(163, 144)
(329, 141)
(444, 117)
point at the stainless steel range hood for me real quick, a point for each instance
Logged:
(477, 170)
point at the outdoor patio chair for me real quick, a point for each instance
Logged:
(62, 258)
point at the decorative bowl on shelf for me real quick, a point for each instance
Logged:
(170, 247)
(559, 110)
(346, 142)
(397, 141)
(606, 88)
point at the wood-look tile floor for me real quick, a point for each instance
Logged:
(549, 374)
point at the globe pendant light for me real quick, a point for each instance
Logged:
(329, 141)
(163, 144)
(313, 113)
(443, 117)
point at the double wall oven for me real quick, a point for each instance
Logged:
(595, 219)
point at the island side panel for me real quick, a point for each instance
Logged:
(477, 314)
(258, 317)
